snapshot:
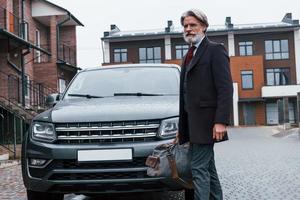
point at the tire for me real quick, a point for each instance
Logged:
(33, 195)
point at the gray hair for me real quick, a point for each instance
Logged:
(198, 14)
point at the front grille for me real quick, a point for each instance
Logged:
(137, 162)
(109, 187)
(107, 132)
(97, 176)
(73, 164)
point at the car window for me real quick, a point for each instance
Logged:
(107, 82)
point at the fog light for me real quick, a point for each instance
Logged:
(37, 162)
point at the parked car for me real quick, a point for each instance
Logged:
(99, 132)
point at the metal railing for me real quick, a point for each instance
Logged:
(40, 57)
(67, 54)
(35, 93)
(12, 130)
(13, 23)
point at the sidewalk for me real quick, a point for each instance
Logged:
(11, 183)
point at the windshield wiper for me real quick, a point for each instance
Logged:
(136, 94)
(85, 95)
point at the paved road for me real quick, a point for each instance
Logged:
(256, 163)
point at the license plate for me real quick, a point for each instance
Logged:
(104, 155)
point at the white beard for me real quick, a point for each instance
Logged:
(192, 39)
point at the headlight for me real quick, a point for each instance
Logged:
(43, 132)
(168, 127)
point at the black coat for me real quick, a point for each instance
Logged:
(209, 93)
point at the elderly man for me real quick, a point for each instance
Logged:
(205, 103)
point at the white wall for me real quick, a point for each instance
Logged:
(231, 50)
(235, 105)
(297, 54)
(106, 51)
(168, 55)
(40, 8)
(280, 91)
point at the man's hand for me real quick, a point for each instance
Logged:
(219, 131)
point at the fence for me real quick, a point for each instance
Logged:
(67, 54)
(12, 114)
(35, 93)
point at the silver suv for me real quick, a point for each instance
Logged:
(98, 134)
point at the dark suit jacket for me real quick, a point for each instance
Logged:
(209, 93)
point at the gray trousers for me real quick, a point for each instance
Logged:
(205, 177)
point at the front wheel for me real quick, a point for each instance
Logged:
(33, 195)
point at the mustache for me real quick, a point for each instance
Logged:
(188, 34)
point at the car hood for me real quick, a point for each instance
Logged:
(114, 109)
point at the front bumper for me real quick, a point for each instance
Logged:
(64, 174)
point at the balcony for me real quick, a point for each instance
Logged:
(13, 24)
(280, 91)
(67, 54)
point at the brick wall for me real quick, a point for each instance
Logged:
(5, 91)
(254, 63)
(258, 40)
(68, 35)
(46, 73)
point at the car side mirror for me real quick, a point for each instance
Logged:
(52, 99)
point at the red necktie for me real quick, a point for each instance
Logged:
(189, 55)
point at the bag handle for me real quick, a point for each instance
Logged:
(175, 175)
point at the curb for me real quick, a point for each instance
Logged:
(286, 132)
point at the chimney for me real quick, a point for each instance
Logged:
(114, 28)
(228, 23)
(288, 18)
(296, 21)
(170, 27)
(106, 34)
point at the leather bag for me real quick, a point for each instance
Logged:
(171, 161)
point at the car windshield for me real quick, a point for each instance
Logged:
(125, 81)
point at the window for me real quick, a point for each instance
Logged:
(247, 79)
(62, 85)
(276, 49)
(27, 86)
(24, 29)
(164, 81)
(272, 113)
(246, 48)
(150, 55)
(38, 44)
(120, 55)
(181, 50)
(278, 76)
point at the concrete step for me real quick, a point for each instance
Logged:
(9, 163)
(4, 156)
(4, 152)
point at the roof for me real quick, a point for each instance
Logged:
(65, 10)
(223, 29)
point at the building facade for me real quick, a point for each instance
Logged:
(37, 57)
(264, 61)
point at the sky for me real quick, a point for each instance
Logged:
(128, 15)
